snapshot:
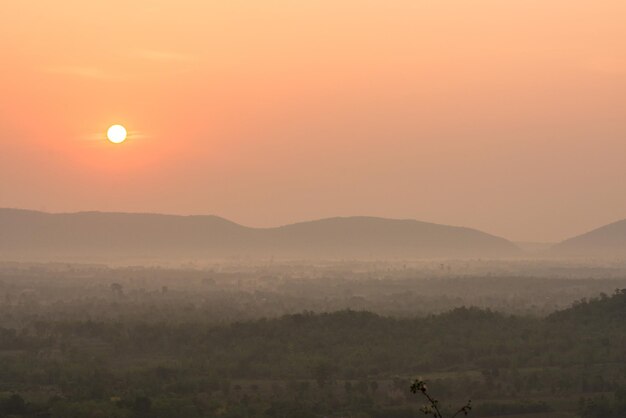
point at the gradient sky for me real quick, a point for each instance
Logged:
(506, 116)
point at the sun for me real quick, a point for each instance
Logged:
(116, 134)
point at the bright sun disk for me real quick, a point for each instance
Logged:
(116, 134)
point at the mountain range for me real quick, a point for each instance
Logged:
(109, 236)
(26, 234)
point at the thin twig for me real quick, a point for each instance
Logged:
(419, 386)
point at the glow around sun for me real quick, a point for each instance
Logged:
(116, 134)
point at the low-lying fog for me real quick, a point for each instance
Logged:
(238, 291)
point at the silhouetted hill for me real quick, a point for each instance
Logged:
(596, 312)
(98, 235)
(606, 241)
(378, 237)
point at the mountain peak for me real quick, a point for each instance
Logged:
(606, 241)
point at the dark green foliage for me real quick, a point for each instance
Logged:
(344, 363)
(604, 406)
(600, 310)
(14, 405)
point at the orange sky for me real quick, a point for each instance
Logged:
(507, 116)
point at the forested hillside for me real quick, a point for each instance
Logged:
(344, 363)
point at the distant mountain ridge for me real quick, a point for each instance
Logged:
(104, 235)
(605, 241)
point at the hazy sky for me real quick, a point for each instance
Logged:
(507, 116)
